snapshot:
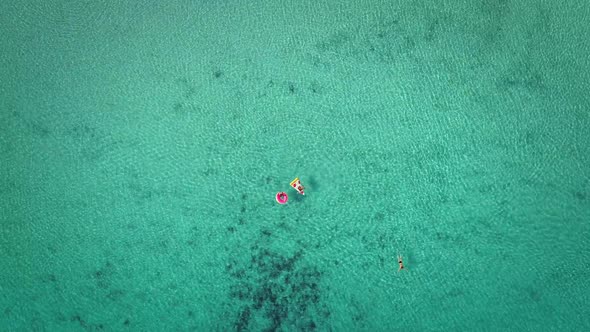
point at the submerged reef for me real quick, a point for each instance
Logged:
(276, 292)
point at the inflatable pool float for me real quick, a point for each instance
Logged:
(296, 184)
(282, 198)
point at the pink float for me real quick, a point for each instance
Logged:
(282, 198)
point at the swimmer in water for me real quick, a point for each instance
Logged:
(400, 262)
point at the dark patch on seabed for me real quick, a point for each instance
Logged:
(79, 320)
(275, 292)
(103, 275)
(580, 195)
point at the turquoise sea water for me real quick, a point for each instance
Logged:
(142, 144)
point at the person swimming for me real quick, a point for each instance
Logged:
(400, 262)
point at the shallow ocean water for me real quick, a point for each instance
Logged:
(142, 145)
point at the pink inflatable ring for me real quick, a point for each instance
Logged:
(282, 198)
